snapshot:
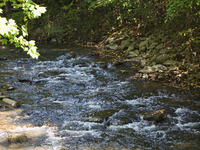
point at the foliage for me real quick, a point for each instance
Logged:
(89, 20)
(11, 32)
(187, 13)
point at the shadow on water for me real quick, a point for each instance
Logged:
(77, 104)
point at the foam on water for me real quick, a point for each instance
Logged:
(89, 90)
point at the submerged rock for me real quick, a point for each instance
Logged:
(17, 138)
(3, 58)
(118, 121)
(25, 80)
(156, 116)
(72, 55)
(10, 88)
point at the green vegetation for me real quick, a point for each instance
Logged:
(77, 21)
(10, 31)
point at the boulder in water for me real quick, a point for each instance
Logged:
(72, 55)
(156, 116)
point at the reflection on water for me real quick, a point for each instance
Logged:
(76, 104)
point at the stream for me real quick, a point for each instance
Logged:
(77, 104)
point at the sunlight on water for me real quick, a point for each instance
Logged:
(74, 103)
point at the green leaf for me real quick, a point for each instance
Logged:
(4, 41)
(17, 44)
(24, 30)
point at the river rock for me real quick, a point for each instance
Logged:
(195, 126)
(137, 52)
(156, 116)
(160, 46)
(143, 38)
(153, 45)
(137, 76)
(2, 97)
(93, 119)
(143, 62)
(162, 58)
(53, 40)
(10, 88)
(172, 68)
(159, 68)
(11, 102)
(25, 80)
(118, 121)
(136, 60)
(125, 44)
(72, 55)
(143, 46)
(163, 51)
(132, 54)
(111, 46)
(3, 58)
(132, 47)
(90, 43)
(17, 138)
(80, 64)
(170, 62)
(147, 69)
(145, 76)
(103, 65)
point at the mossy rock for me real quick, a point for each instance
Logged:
(162, 58)
(132, 47)
(160, 46)
(153, 45)
(125, 44)
(137, 52)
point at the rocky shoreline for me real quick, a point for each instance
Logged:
(153, 58)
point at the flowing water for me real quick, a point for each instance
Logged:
(76, 104)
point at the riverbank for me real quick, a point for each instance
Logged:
(153, 57)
